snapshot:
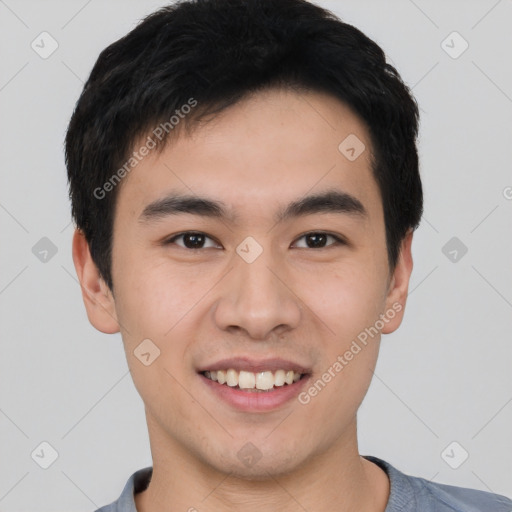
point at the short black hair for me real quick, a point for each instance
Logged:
(207, 55)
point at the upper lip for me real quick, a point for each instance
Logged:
(254, 365)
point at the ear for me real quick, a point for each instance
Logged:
(98, 299)
(399, 286)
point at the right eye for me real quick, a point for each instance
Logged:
(191, 240)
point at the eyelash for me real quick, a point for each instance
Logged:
(337, 239)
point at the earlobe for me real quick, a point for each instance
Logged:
(98, 299)
(399, 286)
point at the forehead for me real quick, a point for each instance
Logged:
(268, 149)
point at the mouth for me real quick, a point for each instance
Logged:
(254, 386)
(254, 382)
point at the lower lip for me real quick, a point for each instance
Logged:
(255, 401)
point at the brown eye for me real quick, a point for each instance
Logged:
(319, 239)
(191, 240)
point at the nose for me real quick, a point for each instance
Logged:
(257, 299)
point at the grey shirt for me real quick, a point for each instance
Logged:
(407, 494)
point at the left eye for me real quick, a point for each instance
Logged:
(318, 240)
(313, 240)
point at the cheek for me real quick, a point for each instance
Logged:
(158, 302)
(348, 304)
(339, 390)
(155, 303)
(154, 295)
(350, 307)
(347, 298)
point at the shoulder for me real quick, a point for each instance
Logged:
(410, 493)
(466, 500)
(137, 482)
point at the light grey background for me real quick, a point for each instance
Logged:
(444, 376)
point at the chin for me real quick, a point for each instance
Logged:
(249, 463)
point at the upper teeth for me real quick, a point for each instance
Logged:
(250, 380)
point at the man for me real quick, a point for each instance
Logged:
(244, 182)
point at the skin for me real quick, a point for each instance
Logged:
(294, 301)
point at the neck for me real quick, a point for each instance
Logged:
(337, 479)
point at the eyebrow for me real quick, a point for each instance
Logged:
(330, 201)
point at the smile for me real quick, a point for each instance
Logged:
(253, 381)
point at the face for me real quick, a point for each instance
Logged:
(255, 245)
